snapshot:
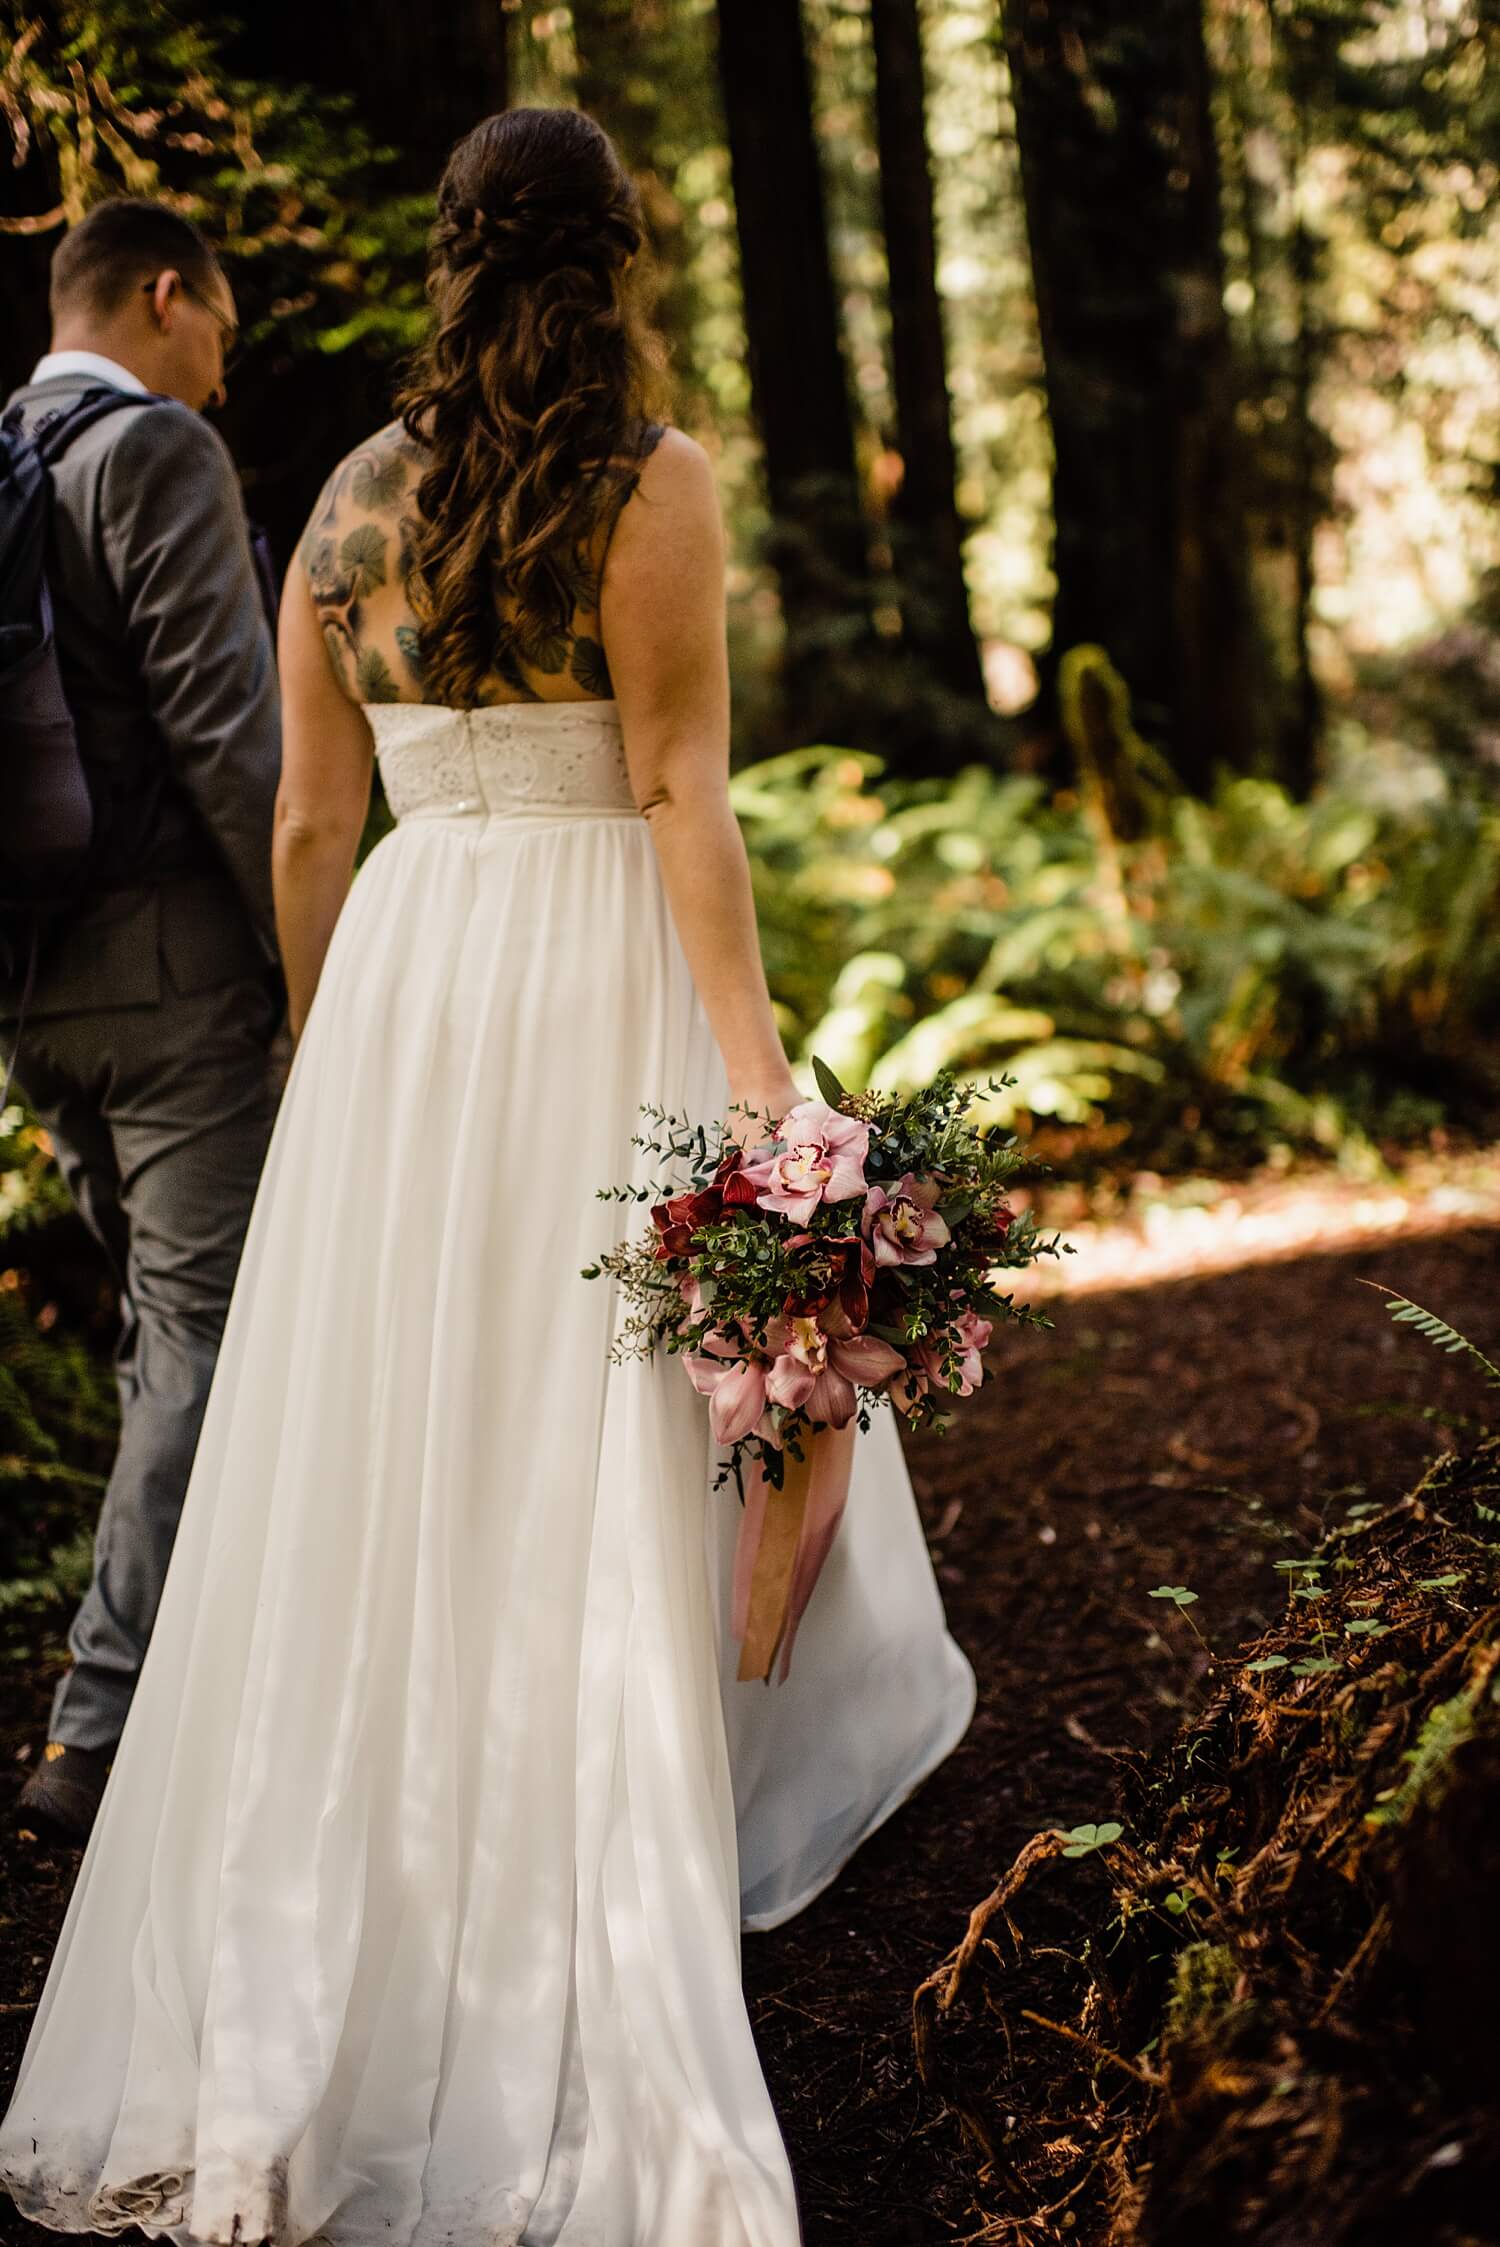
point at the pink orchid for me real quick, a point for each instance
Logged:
(734, 1386)
(820, 1159)
(817, 1372)
(903, 1227)
(966, 1338)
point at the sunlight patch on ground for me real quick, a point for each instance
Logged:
(1206, 1225)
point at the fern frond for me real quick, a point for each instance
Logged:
(1445, 1729)
(1436, 1331)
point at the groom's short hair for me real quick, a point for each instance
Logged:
(120, 244)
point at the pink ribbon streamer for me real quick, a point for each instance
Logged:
(828, 1494)
(747, 1545)
(831, 1461)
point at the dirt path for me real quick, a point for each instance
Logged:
(1178, 1432)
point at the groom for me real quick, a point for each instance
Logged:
(144, 1045)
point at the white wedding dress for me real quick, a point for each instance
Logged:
(412, 1912)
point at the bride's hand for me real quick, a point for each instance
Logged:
(756, 1111)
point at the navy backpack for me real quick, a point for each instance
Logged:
(46, 814)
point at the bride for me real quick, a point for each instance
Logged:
(412, 1912)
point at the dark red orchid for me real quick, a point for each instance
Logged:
(738, 1191)
(678, 1219)
(841, 1303)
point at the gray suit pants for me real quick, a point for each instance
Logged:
(160, 1115)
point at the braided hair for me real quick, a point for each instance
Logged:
(530, 389)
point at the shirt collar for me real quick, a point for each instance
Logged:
(90, 363)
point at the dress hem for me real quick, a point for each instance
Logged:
(763, 1923)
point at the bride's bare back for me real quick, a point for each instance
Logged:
(356, 554)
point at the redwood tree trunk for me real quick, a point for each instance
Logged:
(797, 374)
(1120, 175)
(640, 74)
(928, 535)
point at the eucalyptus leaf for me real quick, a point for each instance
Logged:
(828, 1084)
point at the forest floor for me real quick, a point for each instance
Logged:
(1217, 1388)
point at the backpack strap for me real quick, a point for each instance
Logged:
(55, 432)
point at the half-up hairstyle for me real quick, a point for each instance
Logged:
(529, 392)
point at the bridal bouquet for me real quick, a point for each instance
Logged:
(851, 1259)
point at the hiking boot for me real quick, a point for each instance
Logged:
(61, 1798)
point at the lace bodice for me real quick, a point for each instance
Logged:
(437, 763)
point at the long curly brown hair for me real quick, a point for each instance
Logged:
(532, 386)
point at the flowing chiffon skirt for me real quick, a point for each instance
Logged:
(412, 1912)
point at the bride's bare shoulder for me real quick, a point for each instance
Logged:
(675, 462)
(673, 488)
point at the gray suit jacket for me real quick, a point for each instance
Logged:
(169, 672)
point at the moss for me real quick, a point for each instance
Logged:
(1202, 1986)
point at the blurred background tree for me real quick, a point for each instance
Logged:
(1120, 174)
(928, 536)
(799, 384)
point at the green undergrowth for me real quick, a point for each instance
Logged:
(1247, 975)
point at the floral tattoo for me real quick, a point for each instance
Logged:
(358, 544)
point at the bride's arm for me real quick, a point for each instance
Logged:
(327, 756)
(662, 617)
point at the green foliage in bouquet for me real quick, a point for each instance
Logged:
(864, 1237)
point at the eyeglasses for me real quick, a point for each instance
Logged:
(228, 329)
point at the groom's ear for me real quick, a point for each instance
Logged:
(164, 293)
